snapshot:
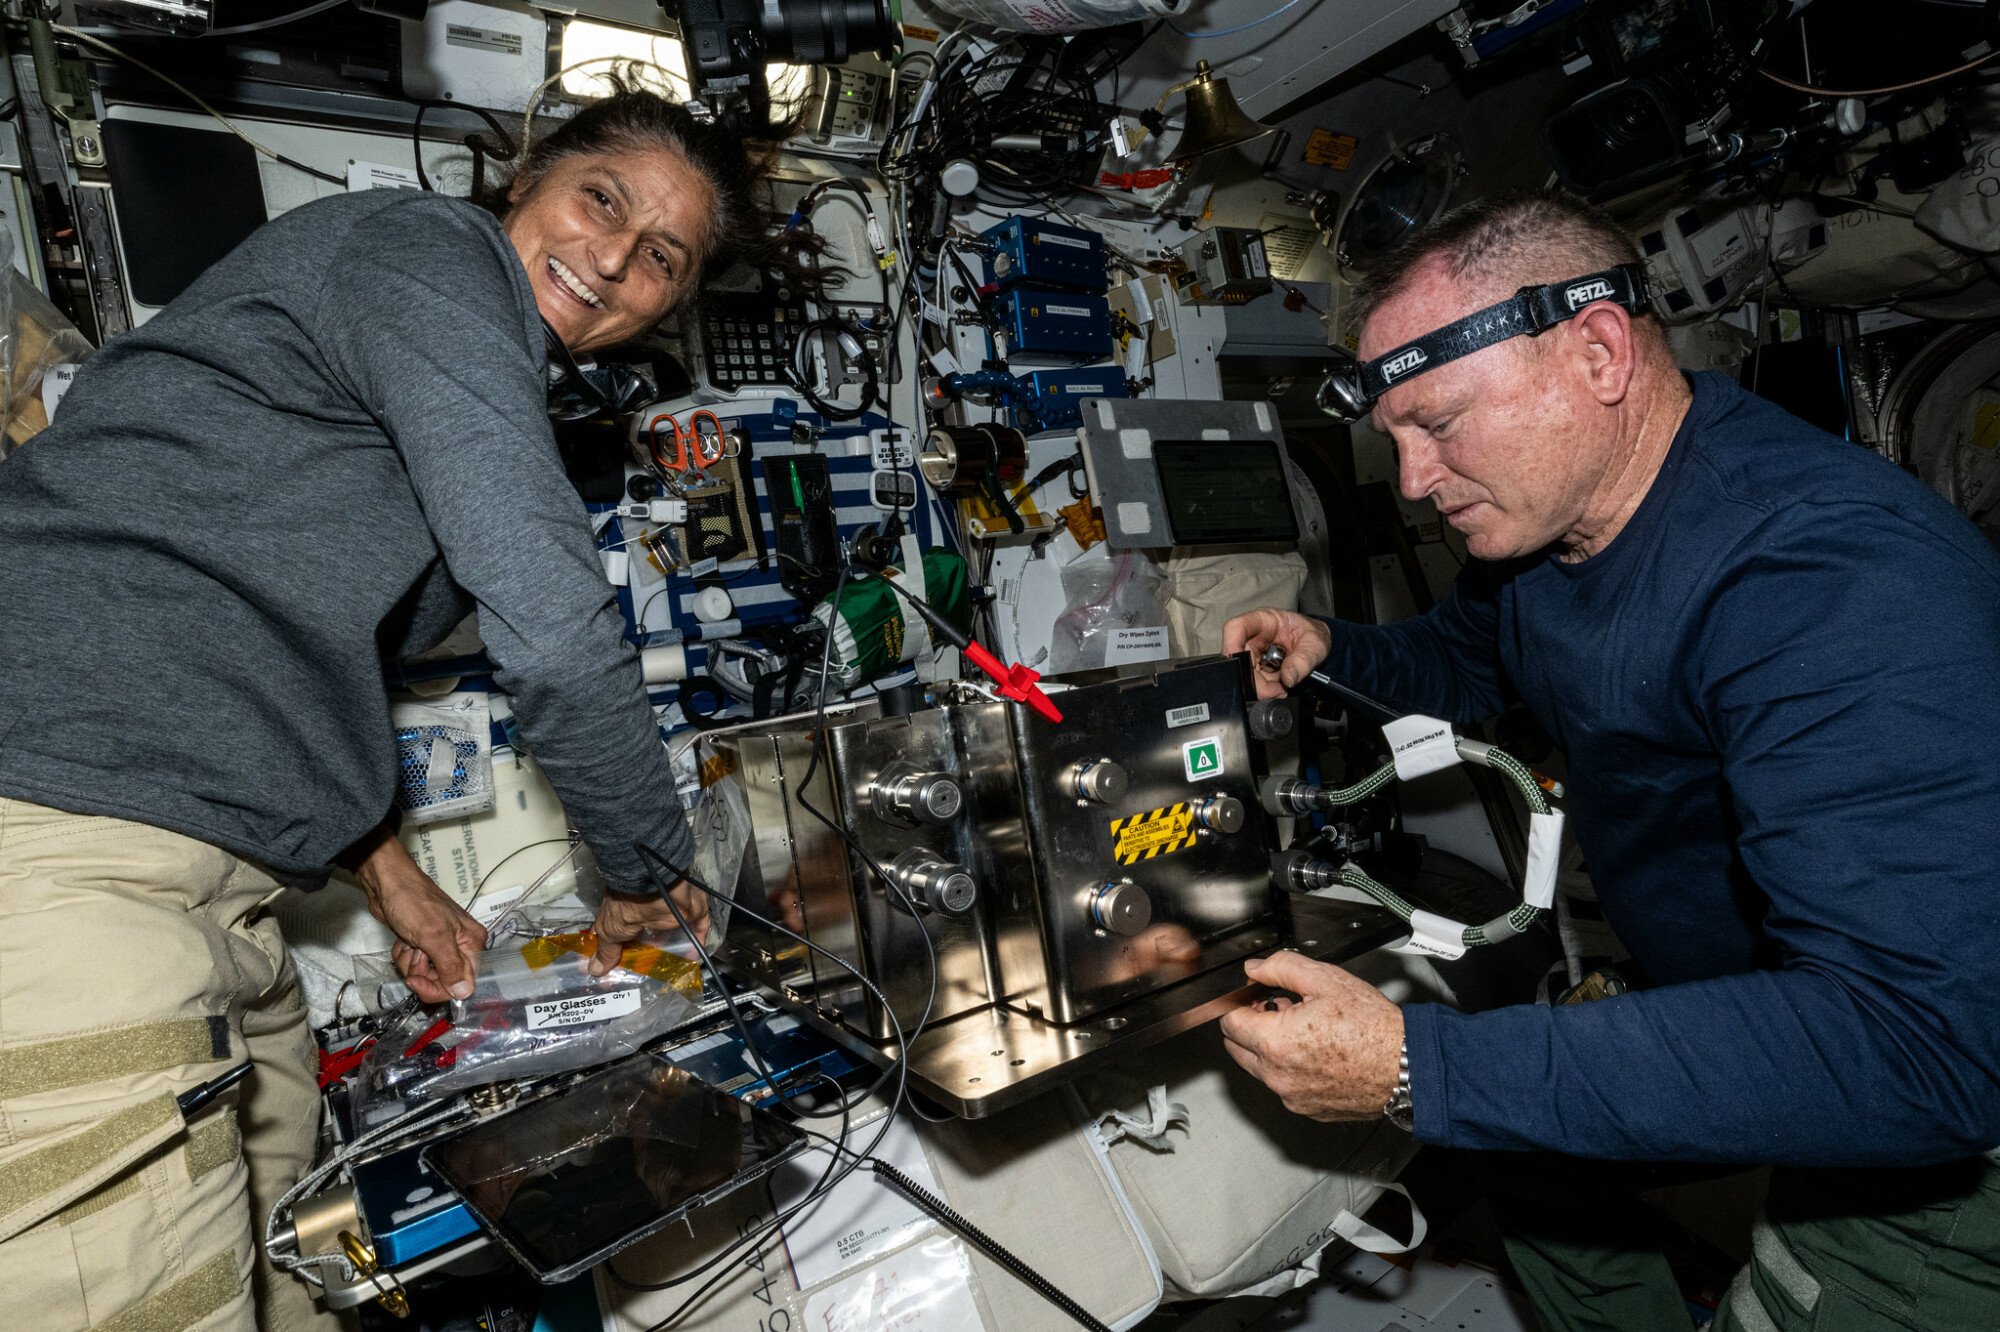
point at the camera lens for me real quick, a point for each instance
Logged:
(821, 32)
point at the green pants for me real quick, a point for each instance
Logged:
(1833, 1250)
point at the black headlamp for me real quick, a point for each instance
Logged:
(1351, 390)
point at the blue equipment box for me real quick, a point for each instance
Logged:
(1053, 327)
(1045, 254)
(1054, 398)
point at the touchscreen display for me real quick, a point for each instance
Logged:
(568, 1181)
(1220, 491)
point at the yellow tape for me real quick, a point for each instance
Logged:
(1157, 832)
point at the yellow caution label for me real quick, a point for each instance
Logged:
(1327, 149)
(1157, 832)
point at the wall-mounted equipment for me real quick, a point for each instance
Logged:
(1171, 473)
(1213, 119)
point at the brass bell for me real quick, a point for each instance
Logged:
(1214, 120)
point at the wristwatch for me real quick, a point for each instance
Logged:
(1398, 1111)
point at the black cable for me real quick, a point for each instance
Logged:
(870, 389)
(993, 1249)
(277, 22)
(480, 149)
(900, 1068)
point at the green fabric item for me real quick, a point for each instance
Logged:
(1848, 1250)
(871, 633)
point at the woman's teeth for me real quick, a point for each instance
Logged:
(574, 283)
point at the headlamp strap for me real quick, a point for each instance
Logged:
(1530, 310)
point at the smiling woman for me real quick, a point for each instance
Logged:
(617, 214)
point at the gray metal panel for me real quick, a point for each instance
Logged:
(1117, 438)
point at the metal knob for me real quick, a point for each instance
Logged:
(1100, 780)
(1269, 718)
(908, 795)
(1224, 814)
(1121, 907)
(933, 883)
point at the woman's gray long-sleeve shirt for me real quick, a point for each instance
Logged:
(326, 451)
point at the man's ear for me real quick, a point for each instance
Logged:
(1605, 346)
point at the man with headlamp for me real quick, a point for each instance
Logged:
(1766, 654)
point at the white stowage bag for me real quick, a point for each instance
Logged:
(1237, 1194)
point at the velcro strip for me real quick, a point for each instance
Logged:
(62, 1166)
(100, 1056)
(180, 1306)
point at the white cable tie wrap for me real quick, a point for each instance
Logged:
(1545, 835)
(1149, 1128)
(1421, 745)
(1433, 936)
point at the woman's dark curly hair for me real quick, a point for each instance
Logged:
(735, 152)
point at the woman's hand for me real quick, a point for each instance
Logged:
(437, 943)
(623, 917)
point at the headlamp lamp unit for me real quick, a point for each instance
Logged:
(1351, 390)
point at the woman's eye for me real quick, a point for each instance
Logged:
(603, 199)
(661, 260)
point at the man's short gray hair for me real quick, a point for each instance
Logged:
(1523, 238)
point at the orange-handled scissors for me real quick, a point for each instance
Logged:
(687, 450)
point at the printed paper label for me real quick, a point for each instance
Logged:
(584, 1009)
(55, 382)
(1187, 716)
(1073, 311)
(1433, 936)
(1143, 644)
(1049, 238)
(1420, 744)
(375, 176)
(482, 39)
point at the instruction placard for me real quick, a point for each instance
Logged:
(1327, 149)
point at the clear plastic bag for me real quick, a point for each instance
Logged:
(444, 758)
(1117, 612)
(535, 1010)
(39, 352)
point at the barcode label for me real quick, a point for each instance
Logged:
(1187, 716)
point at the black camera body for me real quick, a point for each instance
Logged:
(728, 42)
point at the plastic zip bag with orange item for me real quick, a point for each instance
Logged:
(535, 1010)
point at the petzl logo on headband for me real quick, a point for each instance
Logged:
(1583, 293)
(1402, 363)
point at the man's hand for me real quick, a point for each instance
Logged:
(1332, 1053)
(1305, 641)
(437, 943)
(623, 917)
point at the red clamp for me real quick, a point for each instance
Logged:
(1016, 682)
(337, 1064)
(1149, 179)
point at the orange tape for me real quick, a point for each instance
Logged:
(647, 960)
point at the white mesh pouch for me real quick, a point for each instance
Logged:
(444, 758)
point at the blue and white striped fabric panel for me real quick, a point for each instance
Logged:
(759, 599)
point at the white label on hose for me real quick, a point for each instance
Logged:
(1545, 835)
(1433, 936)
(583, 1009)
(1120, 144)
(1421, 745)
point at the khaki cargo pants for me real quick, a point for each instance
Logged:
(135, 964)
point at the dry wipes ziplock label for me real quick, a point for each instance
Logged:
(1420, 745)
(584, 1009)
(1433, 936)
(1545, 835)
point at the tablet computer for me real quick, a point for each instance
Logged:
(565, 1182)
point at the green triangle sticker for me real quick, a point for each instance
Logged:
(1202, 758)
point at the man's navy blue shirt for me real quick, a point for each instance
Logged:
(1777, 690)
